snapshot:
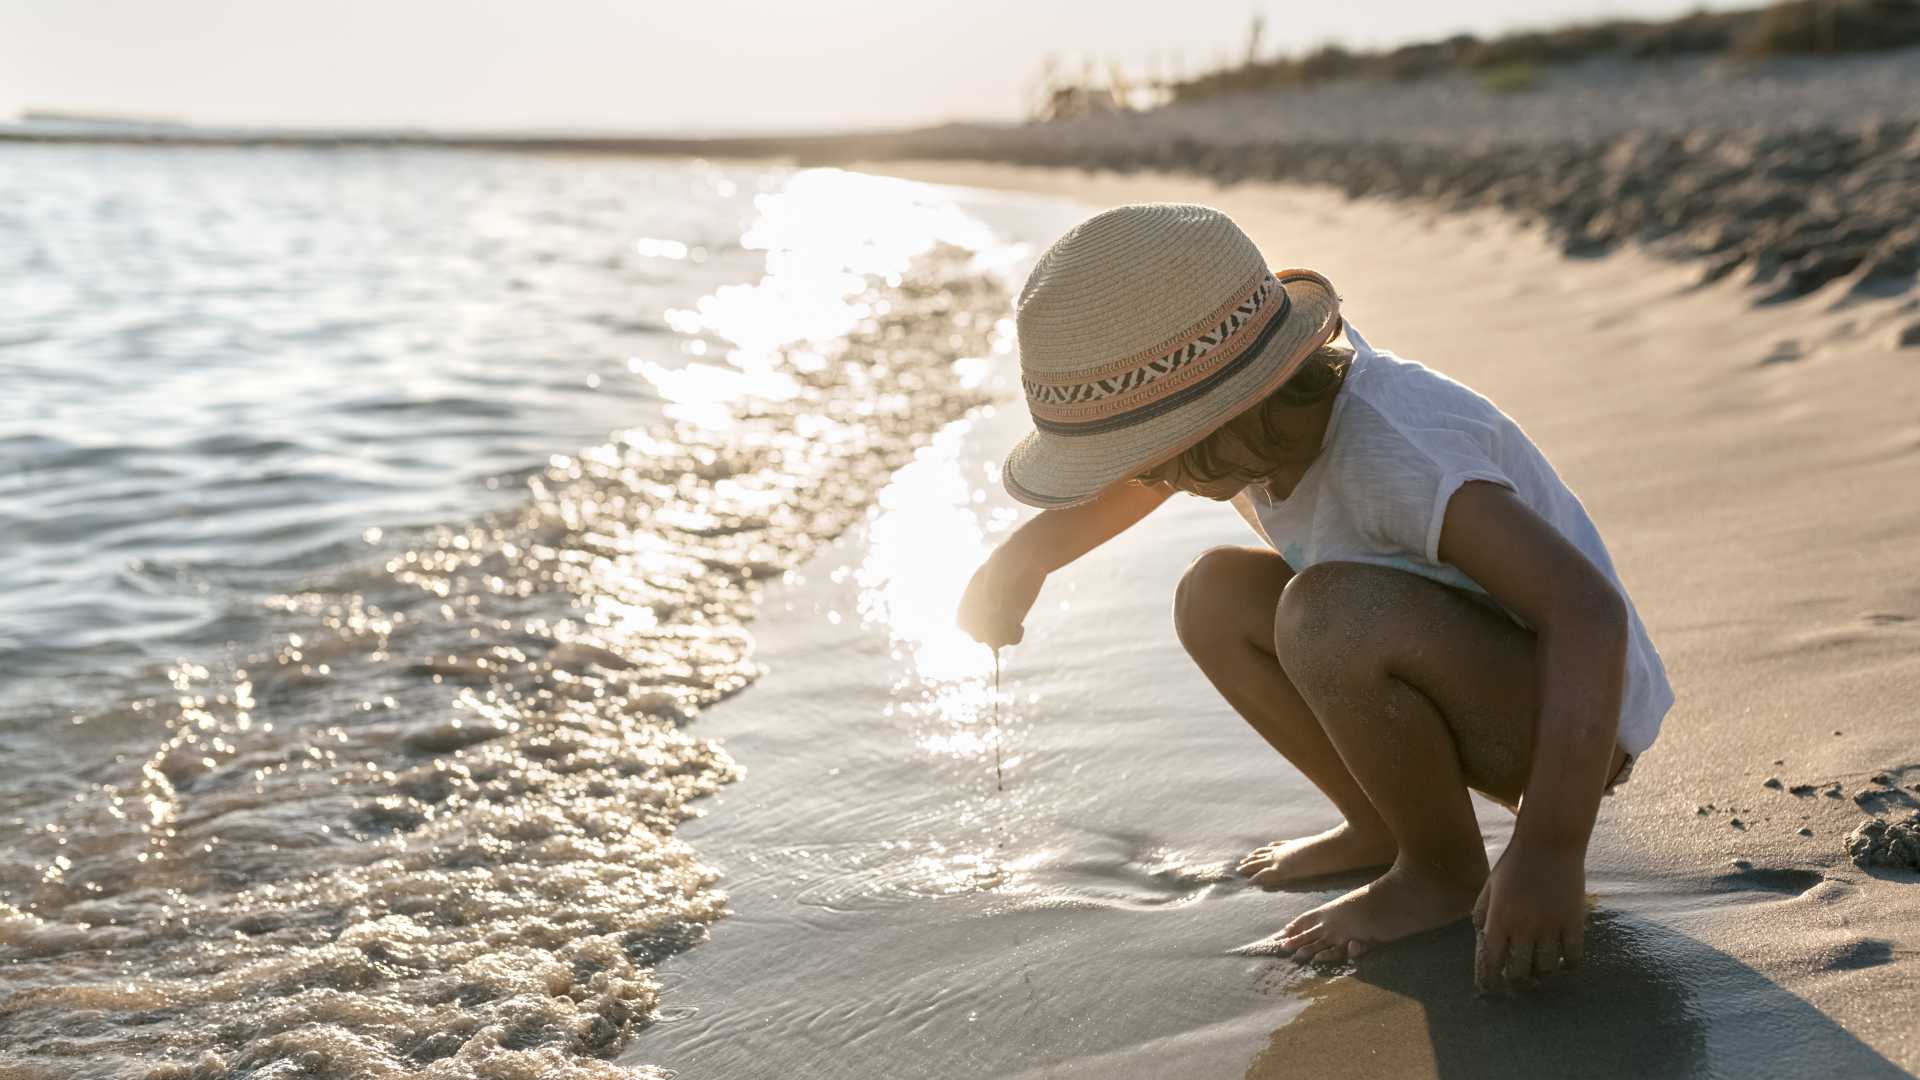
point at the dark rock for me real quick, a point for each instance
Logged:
(1893, 846)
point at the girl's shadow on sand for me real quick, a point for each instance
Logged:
(1649, 1003)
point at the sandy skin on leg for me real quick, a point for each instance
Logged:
(1224, 614)
(1423, 693)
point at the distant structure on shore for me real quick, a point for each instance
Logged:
(64, 118)
(1509, 63)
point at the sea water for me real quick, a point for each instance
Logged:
(374, 526)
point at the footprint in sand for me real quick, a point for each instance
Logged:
(1785, 351)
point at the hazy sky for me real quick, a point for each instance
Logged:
(645, 65)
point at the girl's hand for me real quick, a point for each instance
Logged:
(998, 598)
(1531, 917)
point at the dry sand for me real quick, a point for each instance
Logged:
(1754, 470)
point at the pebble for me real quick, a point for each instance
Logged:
(1772, 782)
(1804, 831)
(1877, 843)
(1737, 823)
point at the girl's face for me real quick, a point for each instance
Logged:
(1219, 490)
(1254, 447)
(1228, 452)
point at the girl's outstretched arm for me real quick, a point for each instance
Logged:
(1005, 586)
(1532, 911)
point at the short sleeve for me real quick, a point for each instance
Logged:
(1462, 449)
(1451, 482)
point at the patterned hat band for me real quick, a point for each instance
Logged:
(1146, 385)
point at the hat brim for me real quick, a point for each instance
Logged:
(1054, 471)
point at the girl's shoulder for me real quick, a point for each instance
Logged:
(1412, 417)
(1414, 398)
(1386, 378)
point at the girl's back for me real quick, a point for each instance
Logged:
(1402, 439)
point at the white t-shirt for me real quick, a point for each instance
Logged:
(1401, 440)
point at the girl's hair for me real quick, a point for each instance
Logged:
(1254, 431)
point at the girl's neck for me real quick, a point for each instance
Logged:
(1302, 430)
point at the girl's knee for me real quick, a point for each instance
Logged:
(1338, 610)
(1210, 601)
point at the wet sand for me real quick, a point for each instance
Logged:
(1752, 468)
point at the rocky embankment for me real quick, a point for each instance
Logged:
(1794, 173)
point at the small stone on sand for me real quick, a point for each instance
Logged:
(1742, 864)
(1895, 846)
(1737, 823)
(1701, 810)
(1804, 831)
(1772, 782)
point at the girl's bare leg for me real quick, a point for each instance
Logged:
(1224, 612)
(1423, 693)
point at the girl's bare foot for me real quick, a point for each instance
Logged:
(1397, 904)
(1336, 851)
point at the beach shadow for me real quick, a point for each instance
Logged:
(1649, 1003)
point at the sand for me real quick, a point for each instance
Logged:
(1753, 469)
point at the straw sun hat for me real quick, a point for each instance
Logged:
(1142, 330)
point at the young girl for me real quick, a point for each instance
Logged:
(1434, 611)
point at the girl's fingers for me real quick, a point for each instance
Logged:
(1489, 956)
(1546, 955)
(1480, 904)
(1573, 946)
(1519, 966)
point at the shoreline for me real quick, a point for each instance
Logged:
(1786, 174)
(1733, 946)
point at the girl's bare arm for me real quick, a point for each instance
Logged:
(1534, 901)
(1005, 586)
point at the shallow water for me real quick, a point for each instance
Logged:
(349, 663)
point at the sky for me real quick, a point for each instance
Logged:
(647, 66)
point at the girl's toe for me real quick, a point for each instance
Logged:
(1304, 944)
(1332, 954)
